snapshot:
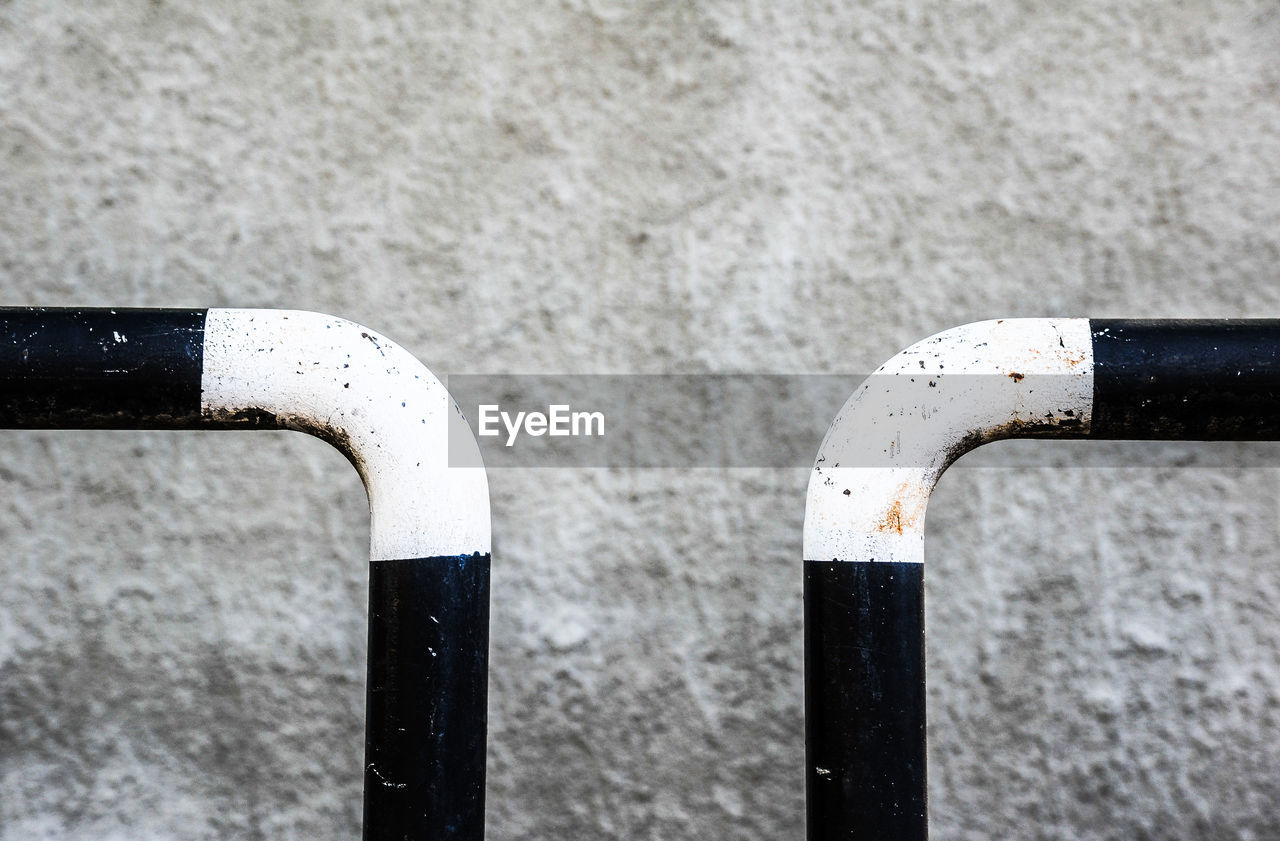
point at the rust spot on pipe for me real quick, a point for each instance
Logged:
(904, 513)
(892, 520)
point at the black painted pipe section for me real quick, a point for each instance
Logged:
(1186, 380)
(864, 701)
(425, 748)
(100, 369)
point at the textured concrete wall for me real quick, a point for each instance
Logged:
(648, 187)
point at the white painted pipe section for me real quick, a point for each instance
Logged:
(372, 399)
(925, 408)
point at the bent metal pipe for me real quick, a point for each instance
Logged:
(879, 462)
(429, 522)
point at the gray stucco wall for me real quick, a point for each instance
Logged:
(647, 187)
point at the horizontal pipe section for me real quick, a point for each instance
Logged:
(100, 368)
(1178, 380)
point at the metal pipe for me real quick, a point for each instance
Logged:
(430, 529)
(882, 456)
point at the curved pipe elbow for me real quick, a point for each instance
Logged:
(395, 421)
(926, 407)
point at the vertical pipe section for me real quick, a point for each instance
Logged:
(864, 701)
(427, 685)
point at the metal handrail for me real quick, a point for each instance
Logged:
(430, 531)
(870, 486)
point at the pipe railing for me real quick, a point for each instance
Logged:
(430, 531)
(425, 720)
(882, 456)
